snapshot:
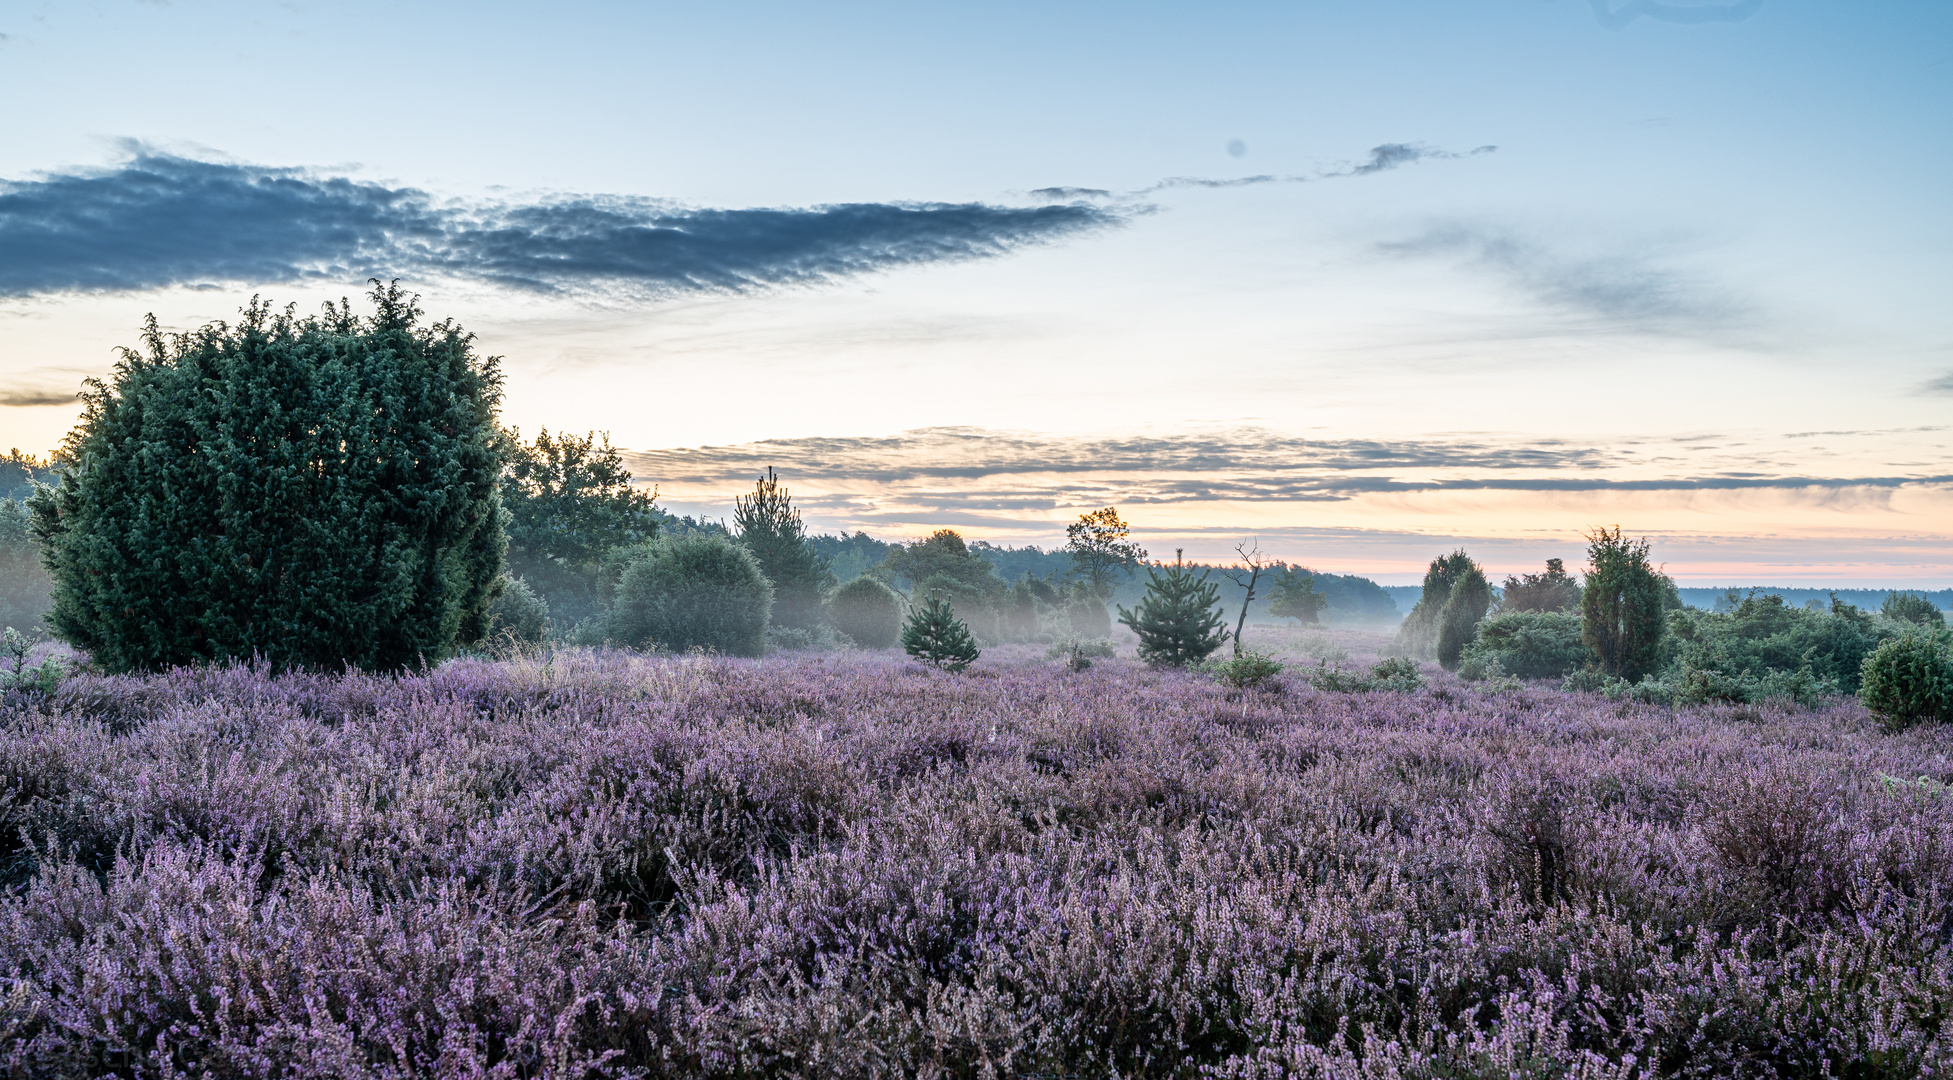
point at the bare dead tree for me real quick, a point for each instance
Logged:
(1247, 575)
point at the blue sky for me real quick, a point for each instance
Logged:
(1697, 288)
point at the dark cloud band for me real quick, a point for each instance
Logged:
(164, 220)
(1023, 472)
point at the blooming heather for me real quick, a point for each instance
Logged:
(603, 864)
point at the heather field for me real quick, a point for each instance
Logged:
(593, 864)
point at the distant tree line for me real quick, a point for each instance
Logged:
(1622, 628)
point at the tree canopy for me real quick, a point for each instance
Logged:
(312, 492)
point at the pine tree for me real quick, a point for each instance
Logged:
(1621, 606)
(934, 635)
(1176, 620)
(771, 529)
(313, 492)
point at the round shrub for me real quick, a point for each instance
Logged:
(518, 613)
(1529, 644)
(311, 492)
(700, 592)
(868, 612)
(1909, 679)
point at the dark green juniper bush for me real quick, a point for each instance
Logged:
(1622, 606)
(935, 636)
(771, 529)
(1912, 608)
(1456, 595)
(312, 492)
(1909, 679)
(1176, 620)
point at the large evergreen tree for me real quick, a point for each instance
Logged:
(311, 492)
(1621, 605)
(571, 503)
(1436, 624)
(1176, 620)
(771, 529)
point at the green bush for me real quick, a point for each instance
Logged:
(18, 676)
(935, 636)
(868, 612)
(517, 613)
(1456, 595)
(1396, 674)
(1909, 607)
(1622, 605)
(1759, 634)
(1250, 671)
(1176, 621)
(697, 592)
(1527, 644)
(312, 492)
(1909, 679)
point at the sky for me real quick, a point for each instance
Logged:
(1360, 282)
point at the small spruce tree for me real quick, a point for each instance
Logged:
(1176, 620)
(771, 529)
(934, 635)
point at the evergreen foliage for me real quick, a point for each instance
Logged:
(25, 588)
(1912, 608)
(571, 502)
(1621, 606)
(1529, 644)
(1250, 670)
(868, 612)
(313, 492)
(935, 636)
(1554, 590)
(1437, 626)
(1176, 620)
(693, 592)
(1294, 596)
(20, 472)
(942, 567)
(1909, 679)
(1750, 637)
(1458, 620)
(771, 529)
(1101, 549)
(518, 614)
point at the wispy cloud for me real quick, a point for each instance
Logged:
(1694, 14)
(1382, 159)
(1942, 385)
(1629, 287)
(27, 396)
(161, 219)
